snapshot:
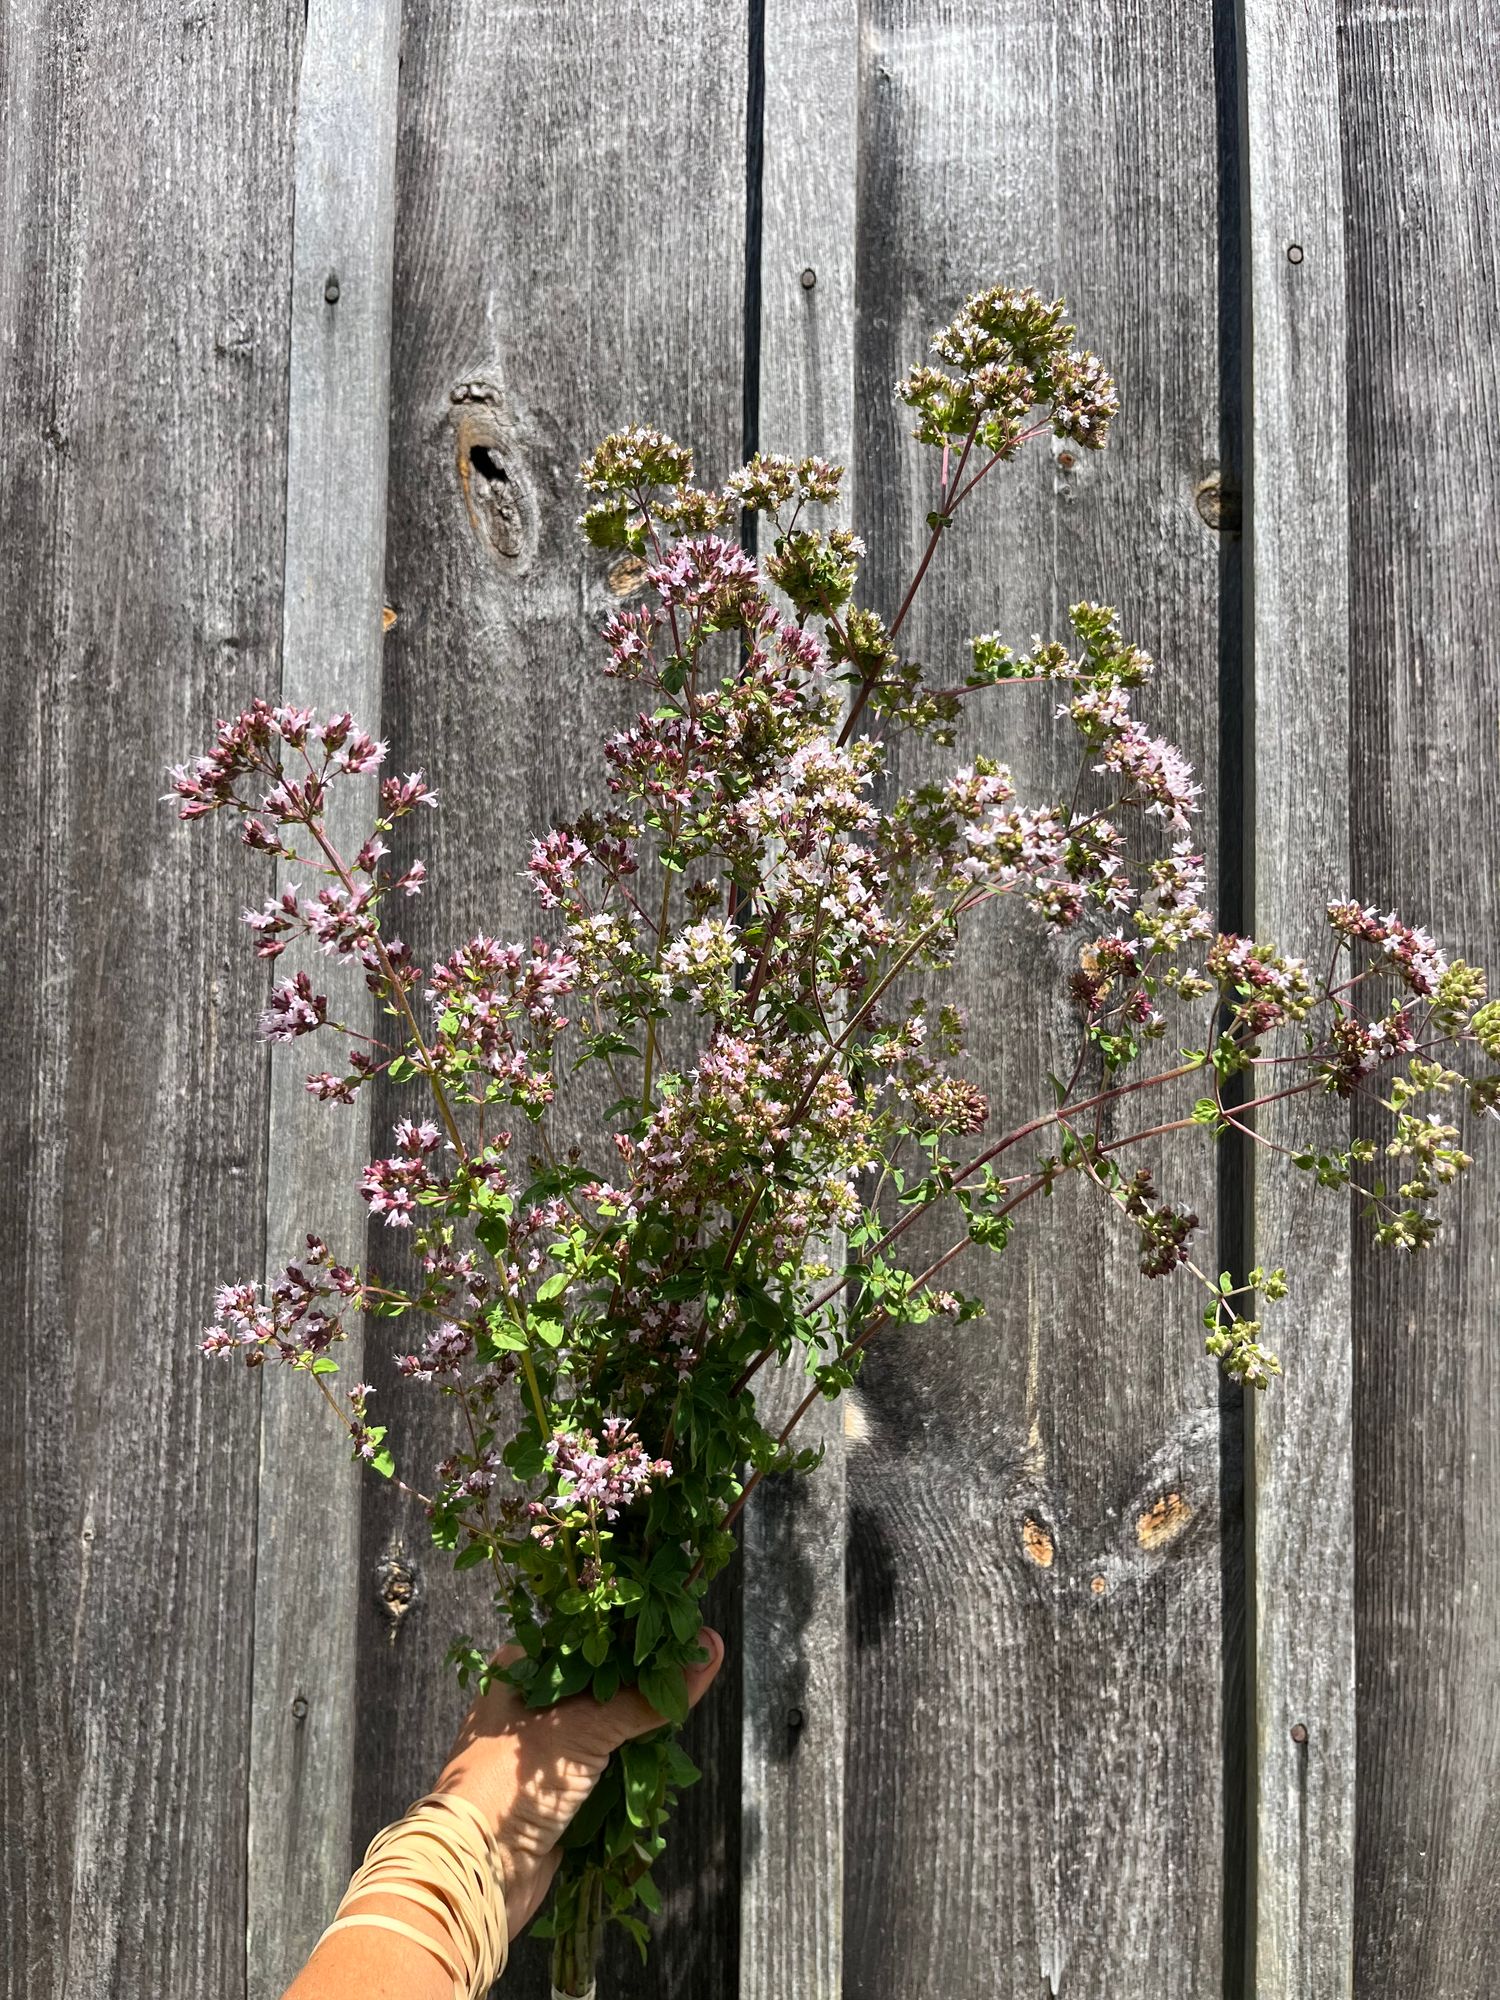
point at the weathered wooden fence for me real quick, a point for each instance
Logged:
(1067, 1675)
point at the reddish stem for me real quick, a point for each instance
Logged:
(393, 982)
(957, 1249)
(855, 1346)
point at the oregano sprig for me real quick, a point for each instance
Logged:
(751, 886)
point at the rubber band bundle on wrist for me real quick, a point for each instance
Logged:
(441, 1856)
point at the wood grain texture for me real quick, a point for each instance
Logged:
(1036, 1724)
(307, 1533)
(569, 261)
(142, 419)
(1011, 1774)
(1300, 1460)
(792, 1761)
(1421, 157)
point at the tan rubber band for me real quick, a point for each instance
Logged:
(371, 1920)
(441, 1857)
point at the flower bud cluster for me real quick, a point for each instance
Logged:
(769, 483)
(606, 1473)
(496, 1019)
(393, 1187)
(1009, 353)
(297, 1322)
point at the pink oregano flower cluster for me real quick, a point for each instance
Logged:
(748, 937)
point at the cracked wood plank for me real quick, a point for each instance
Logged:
(568, 262)
(1041, 1701)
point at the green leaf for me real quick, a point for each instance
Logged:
(643, 1773)
(666, 1690)
(648, 1629)
(494, 1233)
(681, 1770)
(505, 1335)
(635, 1930)
(684, 1616)
(524, 1456)
(688, 1286)
(559, 1678)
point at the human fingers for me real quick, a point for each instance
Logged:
(629, 1713)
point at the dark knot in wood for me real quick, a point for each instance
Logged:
(397, 1587)
(495, 493)
(1219, 505)
(1163, 1521)
(1037, 1542)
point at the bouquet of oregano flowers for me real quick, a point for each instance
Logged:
(746, 933)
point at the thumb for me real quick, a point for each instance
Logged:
(629, 1713)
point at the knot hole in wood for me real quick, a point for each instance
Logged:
(496, 494)
(1219, 504)
(397, 1587)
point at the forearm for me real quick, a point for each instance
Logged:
(370, 1962)
(424, 1914)
(518, 1775)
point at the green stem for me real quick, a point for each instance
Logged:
(575, 1950)
(661, 938)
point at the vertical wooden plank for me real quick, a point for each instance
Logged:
(302, 1739)
(1421, 162)
(142, 418)
(1301, 1509)
(791, 1897)
(1037, 1728)
(570, 224)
